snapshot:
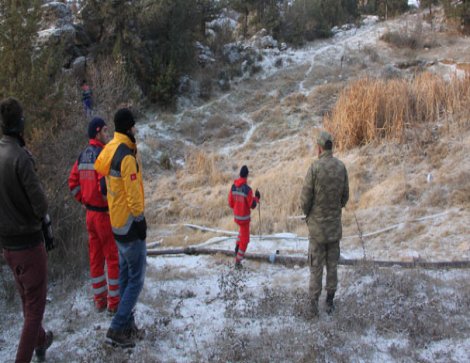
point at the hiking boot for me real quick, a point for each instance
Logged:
(330, 305)
(135, 332)
(313, 309)
(119, 338)
(100, 306)
(41, 351)
(238, 265)
(112, 310)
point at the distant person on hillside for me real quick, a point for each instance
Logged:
(325, 192)
(120, 163)
(241, 200)
(23, 215)
(84, 183)
(87, 99)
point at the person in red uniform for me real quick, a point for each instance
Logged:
(89, 188)
(241, 200)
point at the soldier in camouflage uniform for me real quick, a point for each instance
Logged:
(325, 192)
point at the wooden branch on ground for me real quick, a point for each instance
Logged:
(300, 238)
(302, 261)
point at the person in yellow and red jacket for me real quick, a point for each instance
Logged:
(84, 183)
(120, 163)
(241, 200)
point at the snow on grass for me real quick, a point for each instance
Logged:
(199, 308)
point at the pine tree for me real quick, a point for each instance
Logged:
(27, 70)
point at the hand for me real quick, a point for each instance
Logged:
(141, 229)
(257, 194)
(47, 232)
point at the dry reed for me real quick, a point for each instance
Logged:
(371, 109)
(204, 167)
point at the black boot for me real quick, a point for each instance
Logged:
(119, 338)
(135, 332)
(41, 351)
(330, 305)
(312, 312)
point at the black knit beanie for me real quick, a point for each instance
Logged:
(12, 117)
(244, 171)
(123, 120)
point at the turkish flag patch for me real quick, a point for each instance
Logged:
(133, 177)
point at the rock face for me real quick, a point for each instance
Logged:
(57, 29)
(55, 15)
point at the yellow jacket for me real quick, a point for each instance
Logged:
(119, 163)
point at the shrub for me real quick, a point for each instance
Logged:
(403, 40)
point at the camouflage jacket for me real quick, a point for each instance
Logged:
(324, 193)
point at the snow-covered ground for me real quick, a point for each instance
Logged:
(199, 308)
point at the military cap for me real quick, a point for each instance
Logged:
(323, 137)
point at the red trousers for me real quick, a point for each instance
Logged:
(103, 249)
(29, 268)
(242, 240)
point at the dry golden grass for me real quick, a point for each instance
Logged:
(323, 97)
(268, 114)
(369, 109)
(203, 167)
(294, 100)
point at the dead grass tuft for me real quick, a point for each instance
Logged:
(410, 37)
(294, 100)
(203, 168)
(324, 97)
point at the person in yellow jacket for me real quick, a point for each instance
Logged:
(122, 168)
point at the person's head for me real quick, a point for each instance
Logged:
(244, 172)
(324, 141)
(124, 122)
(98, 130)
(12, 117)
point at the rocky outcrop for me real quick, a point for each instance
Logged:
(57, 29)
(55, 15)
(263, 40)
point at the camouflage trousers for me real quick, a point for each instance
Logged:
(322, 254)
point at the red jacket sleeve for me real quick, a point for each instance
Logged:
(74, 182)
(231, 202)
(250, 200)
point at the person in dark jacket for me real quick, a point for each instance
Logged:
(241, 200)
(23, 206)
(84, 183)
(87, 98)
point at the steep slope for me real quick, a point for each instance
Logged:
(269, 123)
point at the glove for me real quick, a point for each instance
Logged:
(257, 194)
(47, 232)
(141, 227)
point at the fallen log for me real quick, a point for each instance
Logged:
(302, 261)
(300, 238)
